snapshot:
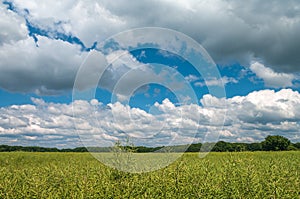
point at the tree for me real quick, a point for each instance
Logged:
(297, 145)
(275, 143)
(222, 146)
(254, 147)
(238, 147)
(194, 147)
(291, 147)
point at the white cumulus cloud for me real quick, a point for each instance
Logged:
(248, 118)
(272, 78)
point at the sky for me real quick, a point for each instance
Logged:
(89, 73)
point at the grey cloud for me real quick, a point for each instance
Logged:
(230, 31)
(46, 70)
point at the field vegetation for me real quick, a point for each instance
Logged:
(218, 175)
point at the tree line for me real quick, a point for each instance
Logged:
(271, 143)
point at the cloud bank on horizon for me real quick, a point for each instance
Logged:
(249, 118)
(43, 44)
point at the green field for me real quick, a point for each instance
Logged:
(218, 175)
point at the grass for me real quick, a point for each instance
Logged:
(218, 175)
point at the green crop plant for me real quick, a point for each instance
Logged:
(218, 175)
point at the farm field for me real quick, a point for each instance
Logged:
(218, 175)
